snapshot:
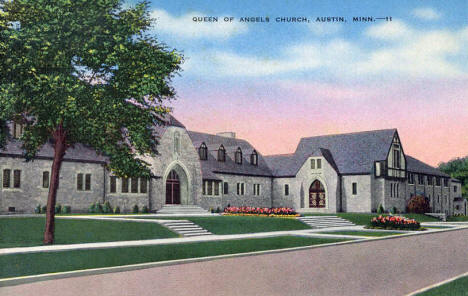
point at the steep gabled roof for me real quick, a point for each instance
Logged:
(353, 153)
(212, 165)
(416, 166)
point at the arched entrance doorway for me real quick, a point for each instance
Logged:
(173, 188)
(317, 195)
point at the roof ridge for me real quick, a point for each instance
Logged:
(352, 133)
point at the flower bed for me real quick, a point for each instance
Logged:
(263, 212)
(394, 222)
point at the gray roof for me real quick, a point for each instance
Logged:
(416, 166)
(353, 153)
(78, 152)
(212, 165)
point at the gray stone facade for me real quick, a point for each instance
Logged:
(355, 173)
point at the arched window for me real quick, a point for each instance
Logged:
(238, 156)
(176, 142)
(221, 153)
(203, 152)
(254, 158)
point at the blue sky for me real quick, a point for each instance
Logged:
(410, 73)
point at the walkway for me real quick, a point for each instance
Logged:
(394, 266)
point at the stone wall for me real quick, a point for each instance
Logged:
(361, 201)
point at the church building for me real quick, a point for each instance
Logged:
(355, 172)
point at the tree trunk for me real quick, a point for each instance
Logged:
(60, 147)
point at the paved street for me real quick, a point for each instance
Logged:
(385, 267)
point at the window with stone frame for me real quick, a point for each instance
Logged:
(6, 178)
(429, 180)
(45, 179)
(79, 182)
(124, 185)
(18, 129)
(240, 188)
(286, 189)
(113, 184)
(225, 188)
(446, 182)
(211, 187)
(143, 185)
(134, 185)
(420, 179)
(256, 189)
(410, 178)
(319, 163)
(312, 163)
(437, 181)
(88, 182)
(17, 179)
(354, 185)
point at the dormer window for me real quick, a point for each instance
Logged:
(17, 130)
(254, 158)
(238, 156)
(221, 154)
(203, 152)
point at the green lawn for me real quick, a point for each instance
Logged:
(458, 219)
(38, 263)
(364, 218)
(23, 232)
(364, 233)
(244, 224)
(456, 288)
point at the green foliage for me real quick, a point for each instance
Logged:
(92, 208)
(145, 209)
(44, 209)
(380, 209)
(107, 208)
(66, 209)
(117, 210)
(37, 209)
(91, 67)
(58, 208)
(135, 209)
(98, 208)
(457, 168)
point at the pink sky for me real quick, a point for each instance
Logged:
(431, 116)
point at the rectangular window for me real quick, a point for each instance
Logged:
(396, 159)
(204, 188)
(240, 188)
(134, 185)
(6, 178)
(79, 182)
(88, 182)
(209, 189)
(445, 182)
(378, 169)
(391, 189)
(124, 185)
(354, 188)
(286, 189)
(420, 179)
(397, 190)
(113, 184)
(226, 188)
(45, 179)
(16, 178)
(17, 130)
(312, 164)
(319, 163)
(143, 185)
(454, 188)
(256, 189)
(216, 188)
(429, 180)
(437, 181)
(410, 178)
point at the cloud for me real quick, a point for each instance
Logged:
(426, 13)
(389, 31)
(184, 27)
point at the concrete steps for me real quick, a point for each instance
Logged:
(185, 227)
(325, 221)
(181, 210)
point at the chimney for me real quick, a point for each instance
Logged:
(227, 134)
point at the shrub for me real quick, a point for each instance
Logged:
(97, 207)
(418, 204)
(218, 210)
(117, 210)
(394, 210)
(92, 208)
(107, 208)
(44, 209)
(145, 209)
(37, 209)
(381, 209)
(394, 222)
(58, 208)
(66, 209)
(135, 209)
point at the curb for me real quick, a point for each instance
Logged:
(417, 292)
(104, 270)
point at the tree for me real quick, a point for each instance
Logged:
(457, 168)
(83, 71)
(418, 204)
